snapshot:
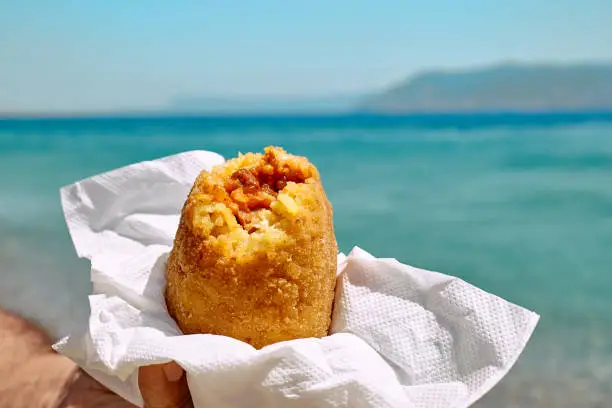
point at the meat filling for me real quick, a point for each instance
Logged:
(255, 188)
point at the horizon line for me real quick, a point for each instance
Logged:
(7, 116)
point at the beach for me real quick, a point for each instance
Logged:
(519, 208)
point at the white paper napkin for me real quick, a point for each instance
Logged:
(401, 336)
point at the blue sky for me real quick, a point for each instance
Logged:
(67, 56)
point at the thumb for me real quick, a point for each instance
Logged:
(164, 386)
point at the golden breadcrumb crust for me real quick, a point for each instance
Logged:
(254, 257)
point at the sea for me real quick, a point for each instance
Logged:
(518, 205)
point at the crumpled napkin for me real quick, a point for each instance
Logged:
(400, 336)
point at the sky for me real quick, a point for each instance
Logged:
(78, 56)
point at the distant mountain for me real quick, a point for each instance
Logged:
(503, 88)
(263, 105)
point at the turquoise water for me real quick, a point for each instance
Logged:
(520, 206)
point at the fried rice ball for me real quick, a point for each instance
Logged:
(254, 257)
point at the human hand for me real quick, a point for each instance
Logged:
(161, 386)
(34, 376)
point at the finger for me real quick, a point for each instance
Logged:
(157, 389)
(173, 371)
